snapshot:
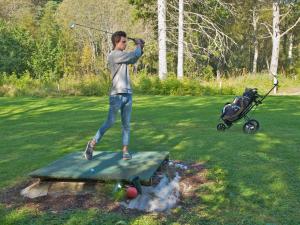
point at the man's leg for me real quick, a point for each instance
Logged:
(125, 117)
(114, 106)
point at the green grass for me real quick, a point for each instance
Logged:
(255, 178)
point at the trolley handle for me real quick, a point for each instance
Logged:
(275, 85)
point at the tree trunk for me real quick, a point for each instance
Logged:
(275, 42)
(267, 63)
(255, 41)
(219, 79)
(135, 68)
(290, 51)
(218, 74)
(180, 42)
(162, 49)
(93, 47)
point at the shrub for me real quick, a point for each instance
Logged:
(99, 85)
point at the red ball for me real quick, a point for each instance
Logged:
(131, 192)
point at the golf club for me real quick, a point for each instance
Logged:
(72, 26)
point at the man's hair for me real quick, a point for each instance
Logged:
(116, 37)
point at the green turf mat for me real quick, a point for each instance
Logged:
(104, 166)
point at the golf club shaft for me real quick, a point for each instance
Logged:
(93, 28)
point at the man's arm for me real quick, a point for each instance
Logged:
(128, 57)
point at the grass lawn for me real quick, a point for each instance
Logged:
(255, 179)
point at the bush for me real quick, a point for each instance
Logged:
(99, 85)
(171, 86)
(16, 47)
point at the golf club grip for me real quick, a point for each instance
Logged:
(134, 40)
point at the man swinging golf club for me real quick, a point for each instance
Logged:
(121, 93)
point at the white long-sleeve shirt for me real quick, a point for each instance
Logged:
(118, 62)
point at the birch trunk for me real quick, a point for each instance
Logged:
(290, 51)
(267, 63)
(180, 42)
(162, 49)
(275, 42)
(255, 41)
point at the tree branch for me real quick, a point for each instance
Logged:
(295, 24)
(266, 25)
(264, 37)
(286, 14)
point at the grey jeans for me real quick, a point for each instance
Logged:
(117, 102)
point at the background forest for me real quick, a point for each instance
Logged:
(225, 40)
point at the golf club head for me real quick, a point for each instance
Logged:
(72, 25)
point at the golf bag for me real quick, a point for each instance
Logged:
(232, 111)
(239, 108)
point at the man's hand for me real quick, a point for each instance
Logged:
(139, 42)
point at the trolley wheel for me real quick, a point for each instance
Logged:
(221, 127)
(251, 126)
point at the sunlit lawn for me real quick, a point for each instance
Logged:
(255, 178)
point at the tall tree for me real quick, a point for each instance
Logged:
(16, 47)
(276, 35)
(275, 41)
(162, 49)
(205, 39)
(101, 14)
(180, 40)
(255, 19)
(47, 58)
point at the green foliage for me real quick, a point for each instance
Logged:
(36, 38)
(95, 85)
(16, 47)
(26, 85)
(144, 9)
(207, 73)
(46, 60)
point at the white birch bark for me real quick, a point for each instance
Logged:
(267, 63)
(180, 41)
(275, 42)
(276, 39)
(162, 48)
(255, 41)
(290, 51)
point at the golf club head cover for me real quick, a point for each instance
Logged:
(137, 184)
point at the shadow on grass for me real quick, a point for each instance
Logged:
(254, 178)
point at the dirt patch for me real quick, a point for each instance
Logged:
(289, 91)
(192, 176)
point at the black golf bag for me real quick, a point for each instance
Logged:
(232, 112)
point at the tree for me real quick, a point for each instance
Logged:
(9, 10)
(16, 47)
(276, 35)
(47, 58)
(106, 15)
(255, 19)
(180, 41)
(162, 50)
(205, 39)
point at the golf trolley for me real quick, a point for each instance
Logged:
(233, 112)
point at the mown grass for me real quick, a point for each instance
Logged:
(254, 179)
